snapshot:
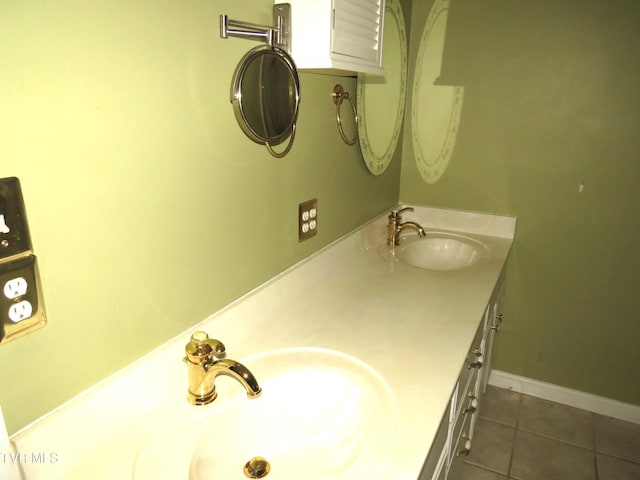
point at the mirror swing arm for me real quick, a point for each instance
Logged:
(276, 35)
(278, 49)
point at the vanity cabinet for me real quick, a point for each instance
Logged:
(340, 37)
(455, 435)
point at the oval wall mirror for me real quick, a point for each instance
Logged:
(265, 93)
(381, 100)
(435, 109)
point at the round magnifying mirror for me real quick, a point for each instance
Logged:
(265, 93)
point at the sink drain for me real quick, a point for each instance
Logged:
(257, 467)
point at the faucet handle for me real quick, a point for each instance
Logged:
(396, 213)
(202, 348)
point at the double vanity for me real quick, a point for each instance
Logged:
(371, 361)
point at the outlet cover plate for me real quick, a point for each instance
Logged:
(307, 219)
(22, 272)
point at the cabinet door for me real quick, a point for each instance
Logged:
(357, 29)
(437, 458)
(441, 473)
(462, 442)
(469, 373)
(494, 320)
(462, 425)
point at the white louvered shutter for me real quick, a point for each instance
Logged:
(357, 28)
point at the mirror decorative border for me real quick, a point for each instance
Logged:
(381, 100)
(435, 109)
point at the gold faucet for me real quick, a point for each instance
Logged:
(205, 361)
(396, 225)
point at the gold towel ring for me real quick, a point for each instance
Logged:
(338, 96)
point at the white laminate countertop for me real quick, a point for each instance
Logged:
(413, 326)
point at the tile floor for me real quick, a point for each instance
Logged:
(521, 437)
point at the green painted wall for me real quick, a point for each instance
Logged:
(552, 93)
(149, 208)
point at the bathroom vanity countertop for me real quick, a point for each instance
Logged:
(413, 326)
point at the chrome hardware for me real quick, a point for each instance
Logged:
(205, 361)
(477, 352)
(276, 35)
(396, 226)
(495, 327)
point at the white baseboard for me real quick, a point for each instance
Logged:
(566, 396)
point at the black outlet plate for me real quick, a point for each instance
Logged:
(14, 230)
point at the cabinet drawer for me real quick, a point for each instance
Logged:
(467, 405)
(473, 364)
(462, 437)
(461, 449)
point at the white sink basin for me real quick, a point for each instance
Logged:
(441, 251)
(322, 414)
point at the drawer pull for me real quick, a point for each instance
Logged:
(473, 406)
(477, 363)
(465, 450)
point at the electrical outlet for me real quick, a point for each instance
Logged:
(20, 311)
(15, 288)
(21, 308)
(14, 232)
(307, 219)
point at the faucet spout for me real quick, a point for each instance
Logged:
(417, 227)
(205, 362)
(234, 370)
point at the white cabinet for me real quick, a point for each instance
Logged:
(340, 37)
(454, 439)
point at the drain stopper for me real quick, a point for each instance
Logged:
(257, 467)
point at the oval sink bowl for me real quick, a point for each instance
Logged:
(441, 251)
(322, 414)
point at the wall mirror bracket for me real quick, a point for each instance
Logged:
(276, 35)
